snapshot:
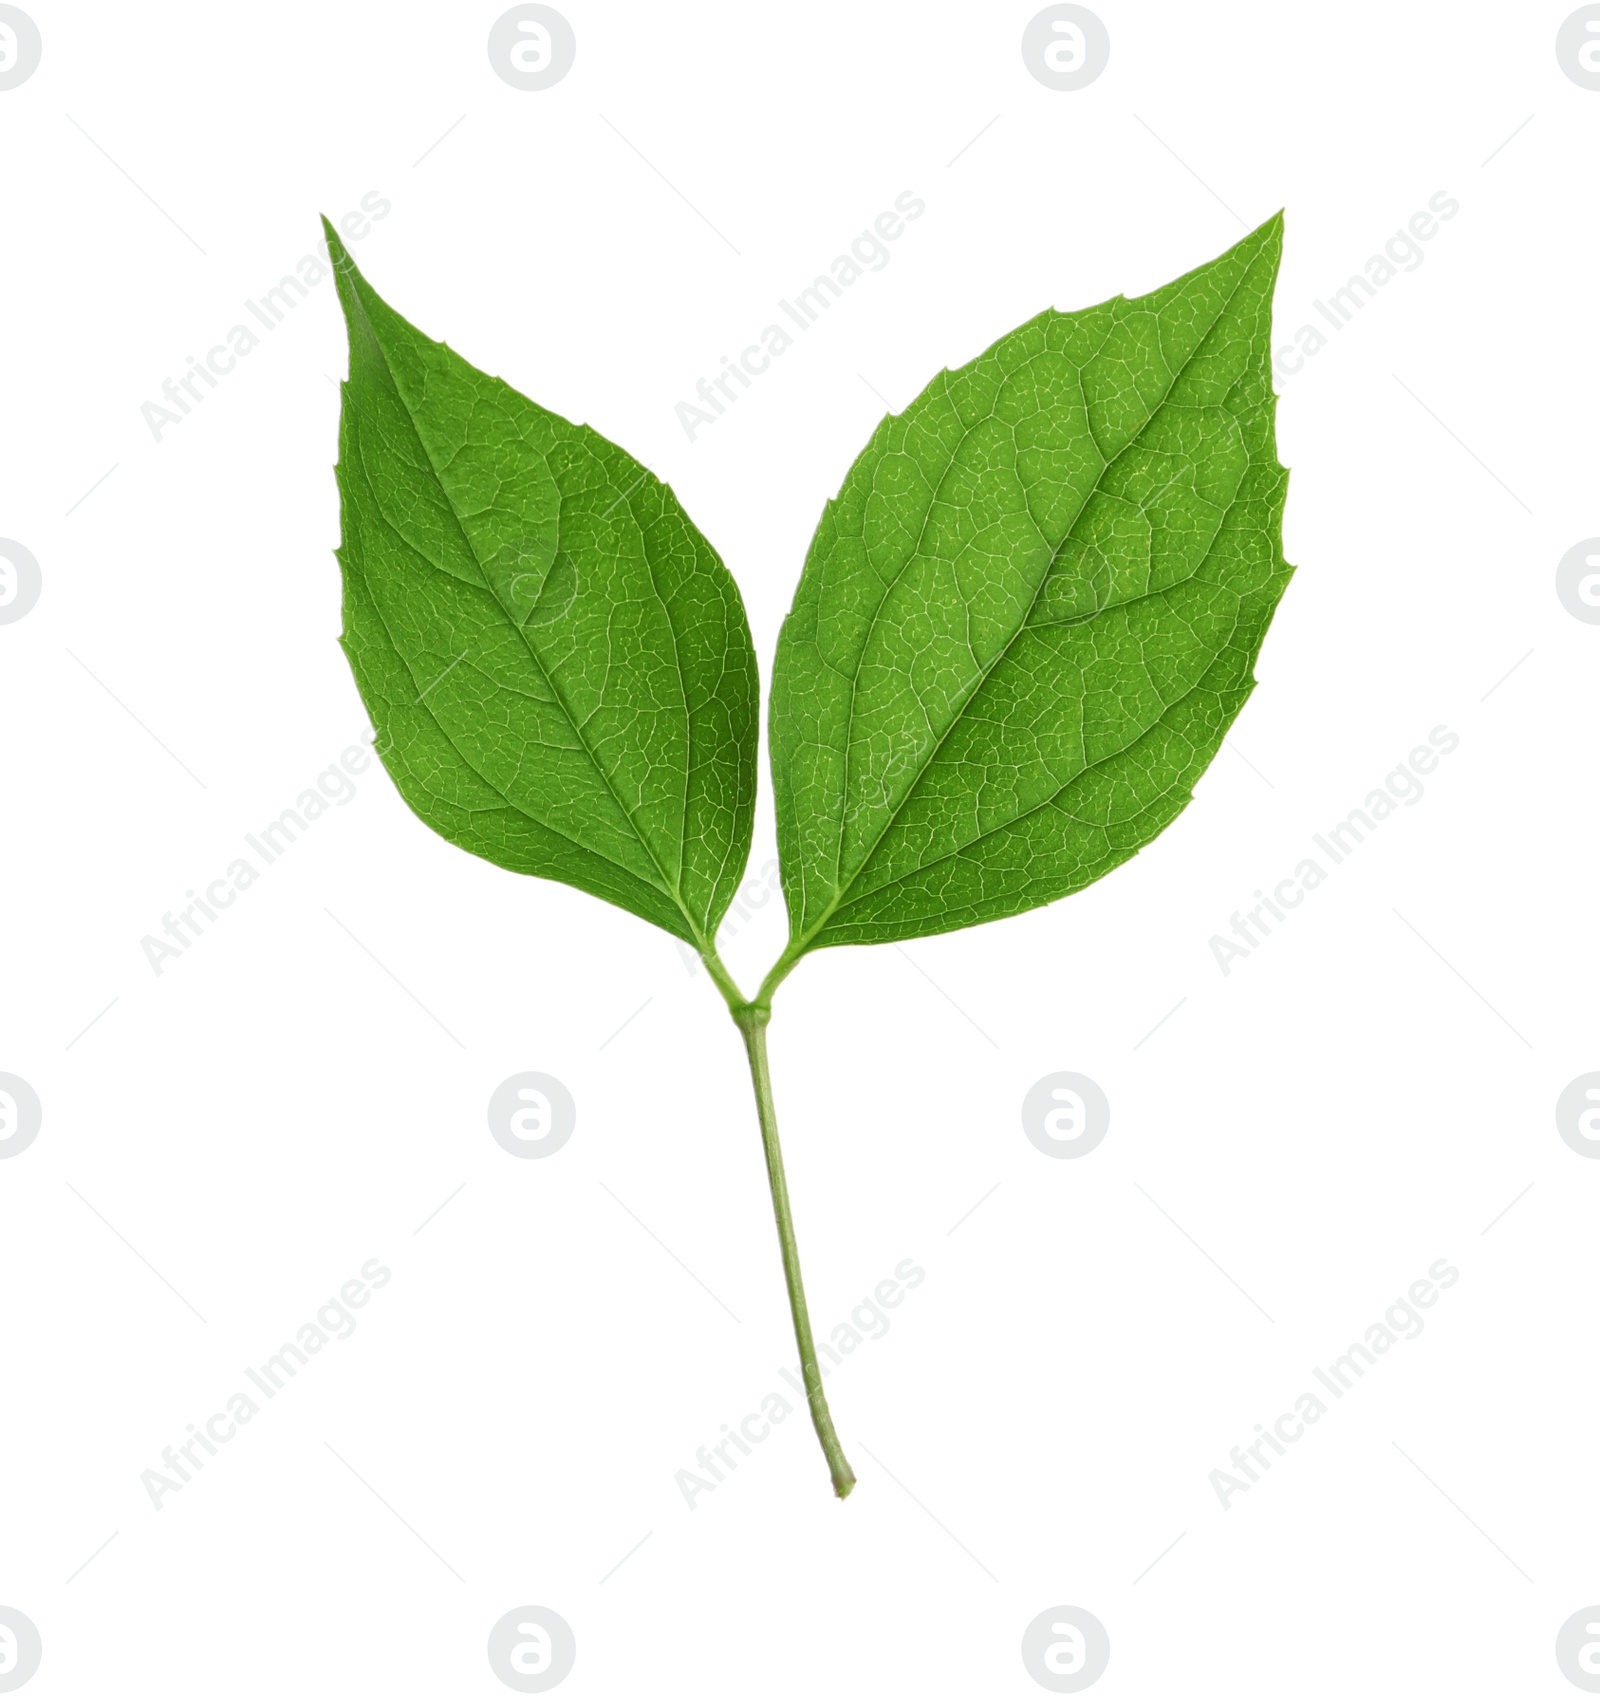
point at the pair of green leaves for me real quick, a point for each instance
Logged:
(1023, 627)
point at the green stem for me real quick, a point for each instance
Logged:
(751, 1019)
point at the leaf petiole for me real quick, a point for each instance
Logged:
(751, 1018)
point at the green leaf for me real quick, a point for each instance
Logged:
(1031, 613)
(557, 662)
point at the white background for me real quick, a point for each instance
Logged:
(1361, 1096)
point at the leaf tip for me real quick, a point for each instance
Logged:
(343, 266)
